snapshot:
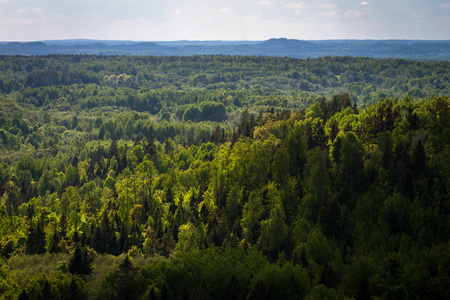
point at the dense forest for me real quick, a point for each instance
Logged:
(224, 177)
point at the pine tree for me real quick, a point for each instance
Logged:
(123, 239)
(233, 289)
(258, 292)
(273, 291)
(46, 292)
(30, 244)
(74, 289)
(126, 284)
(418, 159)
(165, 292)
(23, 295)
(36, 239)
(54, 243)
(75, 237)
(150, 145)
(40, 237)
(30, 212)
(80, 263)
(152, 294)
(413, 121)
(63, 225)
(185, 292)
(113, 244)
(113, 149)
(97, 242)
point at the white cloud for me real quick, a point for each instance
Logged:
(31, 11)
(296, 6)
(332, 10)
(331, 13)
(419, 14)
(445, 5)
(364, 3)
(225, 10)
(329, 6)
(265, 3)
(175, 16)
(353, 14)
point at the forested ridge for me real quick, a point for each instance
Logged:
(224, 177)
(406, 49)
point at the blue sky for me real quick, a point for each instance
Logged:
(151, 20)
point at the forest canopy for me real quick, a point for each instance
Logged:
(224, 177)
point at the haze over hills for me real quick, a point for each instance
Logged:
(407, 49)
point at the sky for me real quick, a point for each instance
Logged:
(158, 20)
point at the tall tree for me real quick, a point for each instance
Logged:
(81, 262)
(125, 280)
(274, 230)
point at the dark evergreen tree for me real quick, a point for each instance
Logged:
(54, 242)
(30, 245)
(402, 174)
(113, 244)
(98, 241)
(123, 239)
(153, 294)
(63, 225)
(75, 161)
(125, 282)
(233, 289)
(23, 295)
(75, 290)
(113, 150)
(388, 119)
(329, 218)
(36, 241)
(165, 292)
(246, 124)
(216, 136)
(150, 144)
(258, 292)
(413, 121)
(30, 212)
(185, 292)
(81, 262)
(327, 276)
(273, 292)
(418, 159)
(105, 229)
(46, 292)
(75, 237)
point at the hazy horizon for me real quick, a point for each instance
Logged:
(209, 41)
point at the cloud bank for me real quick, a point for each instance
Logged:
(223, 20)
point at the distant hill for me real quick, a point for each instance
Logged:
(407, 49)
(285, 43)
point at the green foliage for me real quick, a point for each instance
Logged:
(198, 170)
(125, 281)
(273, 230)
(188, 238)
